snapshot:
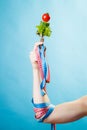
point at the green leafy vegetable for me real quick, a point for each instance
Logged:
(43, 29)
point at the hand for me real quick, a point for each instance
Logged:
(33, 58)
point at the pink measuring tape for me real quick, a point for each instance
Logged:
(43, 110)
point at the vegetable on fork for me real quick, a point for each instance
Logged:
(43, 29)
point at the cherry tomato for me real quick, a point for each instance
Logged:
(45, 17)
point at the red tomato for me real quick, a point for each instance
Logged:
(45, 17)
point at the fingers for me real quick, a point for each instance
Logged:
(33, 56)
(37, 44)
(33, 53)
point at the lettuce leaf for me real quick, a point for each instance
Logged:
(43, 29)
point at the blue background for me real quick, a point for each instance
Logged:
(67, 56)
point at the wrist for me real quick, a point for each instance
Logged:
(35, 72)
(35, 69)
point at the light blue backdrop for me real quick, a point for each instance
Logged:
(67, 56)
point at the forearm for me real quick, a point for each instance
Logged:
(36, 87)
(38, 98)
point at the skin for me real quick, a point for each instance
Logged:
(63, 113)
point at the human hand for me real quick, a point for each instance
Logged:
(32, 56)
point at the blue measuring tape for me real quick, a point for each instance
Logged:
(45, 70)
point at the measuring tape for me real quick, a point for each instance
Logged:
(43, 109)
